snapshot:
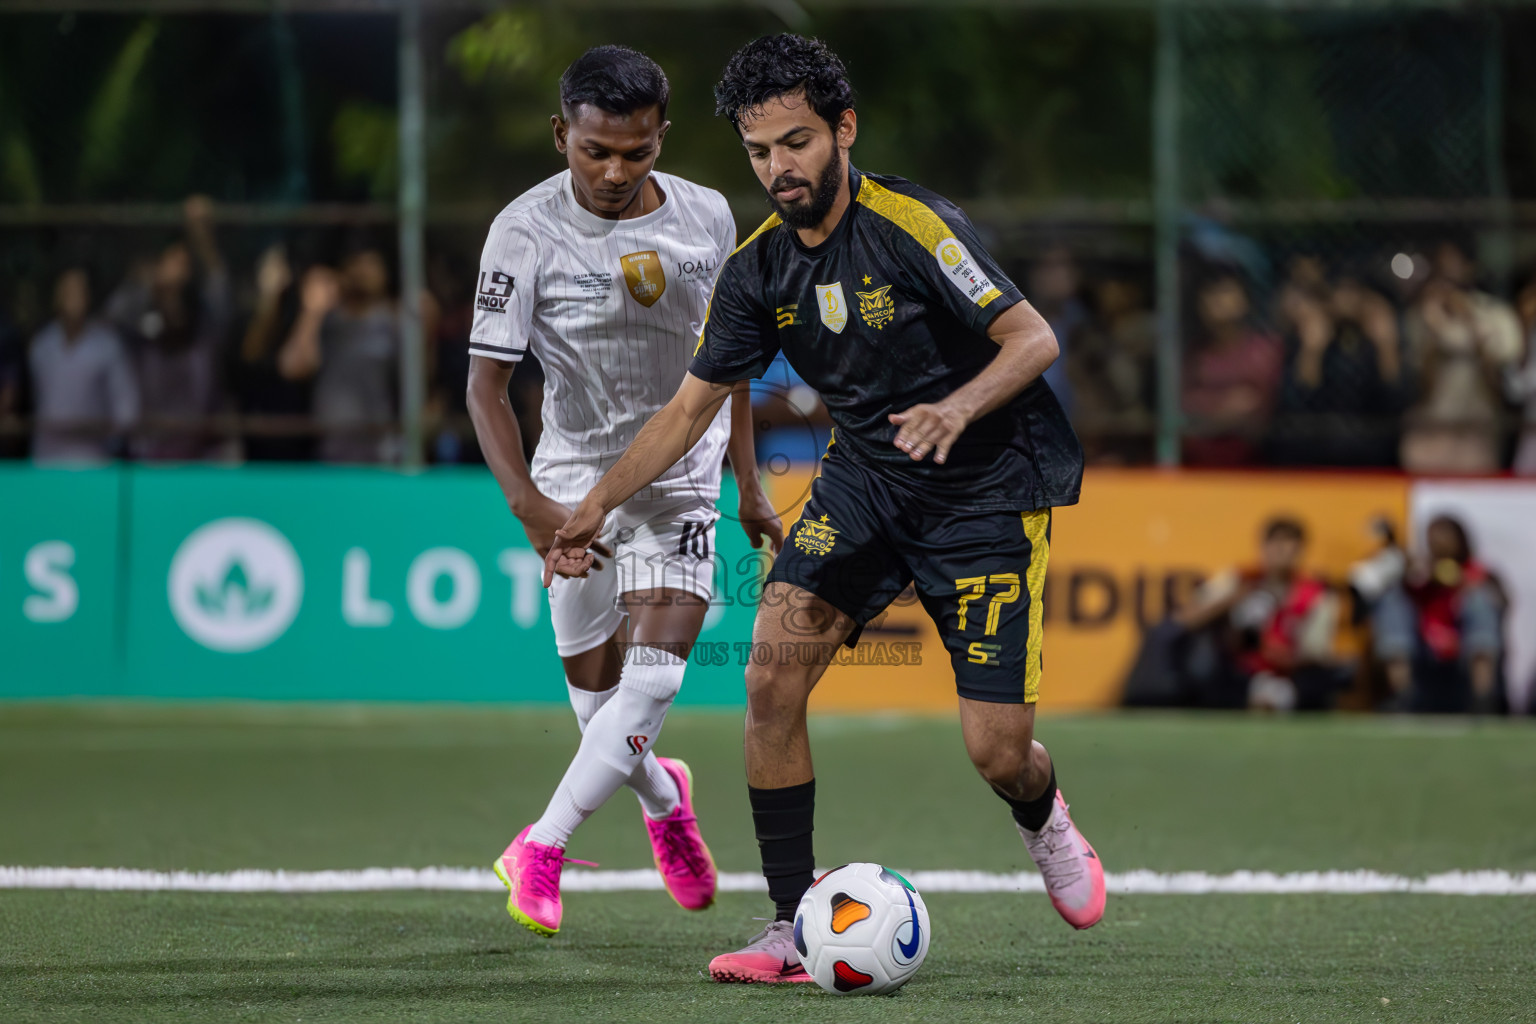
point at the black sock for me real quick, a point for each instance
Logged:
(1033, 814)
(783, 819)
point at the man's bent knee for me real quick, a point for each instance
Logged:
(775, 693)
(1003, 768)
(1013, 765)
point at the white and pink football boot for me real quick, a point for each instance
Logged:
(770, 958)
(1074, 876)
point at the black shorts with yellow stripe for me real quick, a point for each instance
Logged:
(980, 575)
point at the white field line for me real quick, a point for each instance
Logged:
(1182, 883)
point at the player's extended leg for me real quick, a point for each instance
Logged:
(981, 578)
(589, 631)
(780, 779)
(586, 624)
(615, 745)
(1000, 741)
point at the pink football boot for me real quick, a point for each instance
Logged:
(1073, 875)
(531, 873)
(685, 863)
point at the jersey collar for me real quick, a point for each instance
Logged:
(855, 181)
(596, 225)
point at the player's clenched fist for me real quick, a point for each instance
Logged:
(928, 428)
(568, 553)
(758, 517)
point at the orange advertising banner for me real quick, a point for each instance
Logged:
(1138, 541)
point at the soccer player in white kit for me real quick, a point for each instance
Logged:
(604, 272)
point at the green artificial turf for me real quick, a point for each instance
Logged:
(215, 787)
(635, 957)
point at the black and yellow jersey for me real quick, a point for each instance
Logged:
(890, 311)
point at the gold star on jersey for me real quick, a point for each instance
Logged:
(898, 301)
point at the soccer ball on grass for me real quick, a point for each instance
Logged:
(861, 929)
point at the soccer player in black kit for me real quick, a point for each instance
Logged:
(948, 454)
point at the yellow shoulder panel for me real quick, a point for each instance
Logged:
(911, 215)
(915, 218)
(771, 222)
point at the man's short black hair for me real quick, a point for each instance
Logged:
(1285, 526)
(615, 79)
(775, 66)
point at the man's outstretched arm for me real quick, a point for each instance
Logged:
(667, 437)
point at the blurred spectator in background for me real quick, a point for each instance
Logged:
(346, 338)
(1461, 344)
(790, 421)
(1260, 637)
(1053, 291)
(82, 381)
(1112, 372)
(1521, 384)
(1439, 633)
(175, 313)
(1231, 375)
(1379, 572)
(261, 389)
(450, 318)
(1342, 393)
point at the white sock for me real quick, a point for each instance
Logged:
(614, 745)
(586, 702)
(656, 789)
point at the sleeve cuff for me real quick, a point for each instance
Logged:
(997, 307)
(724, 375)
(505, 355)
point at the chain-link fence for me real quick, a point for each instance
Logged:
(1347, 236)
(1264, 235)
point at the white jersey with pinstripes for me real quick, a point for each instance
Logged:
(612, 309)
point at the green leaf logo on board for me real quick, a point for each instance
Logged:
(235, 585)
(234, 595)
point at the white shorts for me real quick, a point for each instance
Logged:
(655, 545)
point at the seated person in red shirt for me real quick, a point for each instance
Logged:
(1439, 633)
(1258, 637)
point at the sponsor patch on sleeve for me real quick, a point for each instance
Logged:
(494, 292)
(956, 262)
